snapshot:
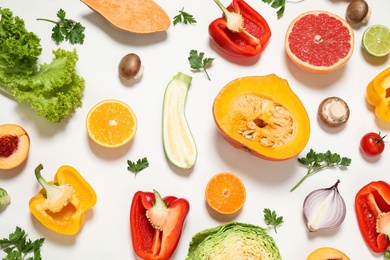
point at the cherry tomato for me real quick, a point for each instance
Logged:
(372, 144)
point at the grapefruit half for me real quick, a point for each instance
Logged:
(319, 41)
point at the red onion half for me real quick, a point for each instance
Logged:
(324, 208)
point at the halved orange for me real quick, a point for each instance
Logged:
(111, 123)
(225, 193)
(319, 41)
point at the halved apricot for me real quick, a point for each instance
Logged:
(14, 146)
(325, 253)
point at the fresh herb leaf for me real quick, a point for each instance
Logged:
(17, 246)
(66, 29)
(277, 4)
(138, 166)
(183, 17)
(272, 219)
(316, 162)
(197, 61)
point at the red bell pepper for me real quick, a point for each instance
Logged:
(241, 31)
(156, 224)
(372, 206)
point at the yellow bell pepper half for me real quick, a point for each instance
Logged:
(378, 94)
(61, 204)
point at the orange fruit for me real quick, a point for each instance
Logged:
(319, 41)
(225, 193)
(111, 123)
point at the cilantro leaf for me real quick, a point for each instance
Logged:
(17, 246)
(183, 17)
(66, 29)
(138, 166)
(277, 4)
(316, 162)
(198, 61)
(272, 219)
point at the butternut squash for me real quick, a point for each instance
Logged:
(136, 16)
(263, 116)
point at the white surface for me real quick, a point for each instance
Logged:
(106, 232)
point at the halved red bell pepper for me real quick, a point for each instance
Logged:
(372, 206)
(241, 31)
(156, 224)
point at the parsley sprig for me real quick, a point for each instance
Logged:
(198, 61)
(183, 17)
(66, 29)
(272, 219)
(277, 4)
(138, 166)
(316, 162)
(17, 246)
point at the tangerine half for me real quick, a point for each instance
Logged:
(111, 123)
(225, 193)
(319, 41)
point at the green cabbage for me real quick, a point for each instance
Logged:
(233, 240)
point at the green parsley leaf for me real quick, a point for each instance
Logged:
(66, 29)
(197, 61)
(272, 219)
(183, 17)
(138, 166)
(316, 162)
(277, 4)
(17, 246)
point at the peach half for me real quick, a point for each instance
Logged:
(14, 146)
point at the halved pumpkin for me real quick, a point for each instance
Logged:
(263, 116)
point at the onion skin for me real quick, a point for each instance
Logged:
(324, 208)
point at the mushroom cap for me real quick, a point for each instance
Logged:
(357, 11)
(130, 66)
(333, 112)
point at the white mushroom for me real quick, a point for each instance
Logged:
(130, 67)
(358, 11)
(333, 112)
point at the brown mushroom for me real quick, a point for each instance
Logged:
(358, 11)
(130, 67)
(333, 112)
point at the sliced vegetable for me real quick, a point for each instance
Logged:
(316, 162)
(60, 205)
(324, 208)
(5, 198)
(66, 29)
(372, 144)
(241, 32)
(372, 205)
(233, 240)
(179, 144)
(377, 94)
(156, 224)
(136, 16)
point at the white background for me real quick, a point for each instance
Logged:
(106, 232)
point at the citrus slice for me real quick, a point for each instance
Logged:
(225, 193)
(111, 123)
(319, 41)
(376, 40)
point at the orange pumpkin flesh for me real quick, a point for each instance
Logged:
(263, 116)
(325, 253)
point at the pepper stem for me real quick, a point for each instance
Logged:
(235, 22)
(39, 177)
